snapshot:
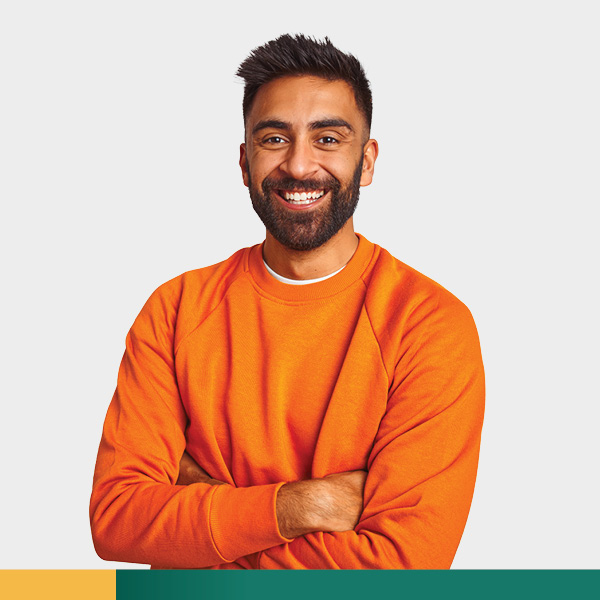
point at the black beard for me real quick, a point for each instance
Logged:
(305, 230)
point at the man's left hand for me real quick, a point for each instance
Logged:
(191, 472)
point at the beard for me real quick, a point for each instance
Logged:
(309, 229)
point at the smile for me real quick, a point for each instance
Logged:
(301, 197)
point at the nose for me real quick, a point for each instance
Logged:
(300, 160)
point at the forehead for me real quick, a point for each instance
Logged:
(302, 99)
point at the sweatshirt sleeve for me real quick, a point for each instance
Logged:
(423, 464)
(137, 513)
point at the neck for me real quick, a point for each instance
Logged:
(311, 264)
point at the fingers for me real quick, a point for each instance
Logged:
(187, 462)
(191, 472)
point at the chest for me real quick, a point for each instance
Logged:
(278, 392)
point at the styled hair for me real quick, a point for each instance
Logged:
(301, 55)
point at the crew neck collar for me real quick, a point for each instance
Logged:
(298, 281)
(354, 268)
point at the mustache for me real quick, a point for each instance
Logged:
(304, 185)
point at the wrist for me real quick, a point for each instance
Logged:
(297, 507)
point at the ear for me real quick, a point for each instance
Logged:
(370, 152)
(243, 164)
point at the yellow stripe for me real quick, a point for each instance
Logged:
(59, 585)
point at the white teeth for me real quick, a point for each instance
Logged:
(302, 197)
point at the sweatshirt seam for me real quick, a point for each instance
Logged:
(377, 340)
(158, 394)
(427, 329)
(198, 325)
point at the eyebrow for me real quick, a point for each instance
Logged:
(325, 123)
(271, 124)
(314, 125)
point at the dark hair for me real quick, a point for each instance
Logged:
(301, 55)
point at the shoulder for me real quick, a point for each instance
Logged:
(398, 294)
(413, 316)
(180, 303)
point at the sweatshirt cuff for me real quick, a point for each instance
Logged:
(244, 520)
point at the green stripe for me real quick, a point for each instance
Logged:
(366, 585)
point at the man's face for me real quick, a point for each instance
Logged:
(305, 158)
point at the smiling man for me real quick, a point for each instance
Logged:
(310, 153)
(310, 402)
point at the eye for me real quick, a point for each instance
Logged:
(327, 140)
(274, 139)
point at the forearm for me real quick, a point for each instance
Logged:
(331, 503)
(420, 529)
(173, 526)
(298, 506)
(137, 514)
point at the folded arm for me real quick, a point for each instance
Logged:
(422, 468)
(152, 503)
(331, 503)
(137, 512)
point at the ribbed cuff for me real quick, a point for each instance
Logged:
(244, 520)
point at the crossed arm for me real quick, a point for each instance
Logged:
(332, 503)
(408, 511)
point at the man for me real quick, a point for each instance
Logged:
(310, 402)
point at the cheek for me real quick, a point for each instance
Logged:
(344, 160)
(261, 167)
(342, 168)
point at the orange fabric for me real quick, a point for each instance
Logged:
(375, 368)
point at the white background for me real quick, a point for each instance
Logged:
(120, 124)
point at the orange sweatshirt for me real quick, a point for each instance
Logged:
(263, 382)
